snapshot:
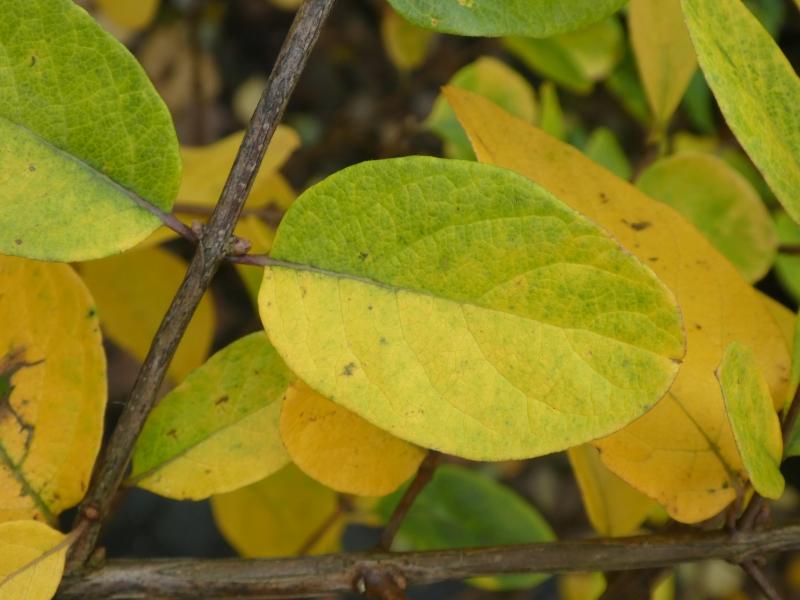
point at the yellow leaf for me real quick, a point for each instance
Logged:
(664, 54)
(205, 170)
(614, 508)
(340, 449)
(406, 45)
(52, 389)
(785, 319)
(32, 559)
(134, 291)
(287, 5)
(129, 14)
(581, 586)
(752, 417)
(218, 430)
(682, 452)
(280, 516)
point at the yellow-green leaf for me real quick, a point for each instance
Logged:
(340, 449)
(133, 15)
(753, 419)
(787, 266)
(493, 18)
(280, 516)
(32, 559)
(491, 78)
(614, 508)
(81, 125)
(133, 292)
(552, 118)
(575, 60)
(664, 54)
(460, 307)
(680, 453)
(407, 45)
(756, 88)
(218, 430)
(52, 389)
(721, 204)
(604, 148)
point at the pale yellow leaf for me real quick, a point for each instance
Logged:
(32, 559)
(134, 291)
(280, 516)
(129, 14)
(682, 452)
(52, 389)
(340, 449)
(407, 45)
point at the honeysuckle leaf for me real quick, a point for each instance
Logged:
(756, 88)
(52, 389)
(494, 18)
(32, 557)
(461, 307)
(82, 132)
(682, 453)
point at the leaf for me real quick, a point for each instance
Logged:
(698, 104)
(129, 14)
(682, 452)
(82, 128)
(494, 18)
(466, 310)
(491, 78)
(787, 266)
(604, 148)
(406, 46)
(279, 516)
(614, 508)
(721, 204)
(133, 292)
(552, 119)
(664, 54)
(205, 170)
(752, 417)
(756, 89)
(340, 449)
(32, 559)
(52, 389)
(218, 430)
(625, 85)
(460, 508)
(574, 60)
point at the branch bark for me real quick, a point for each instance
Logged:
(213, 247)
(320, 575)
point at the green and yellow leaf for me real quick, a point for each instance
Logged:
(681, 452)
(133, 15)
(340, 449)
(218, 430)
(282, 515)
(52, 389)
(133, 292)
(752, 416)
(32, 557)
(604, 148)
(460, 307)
(407, 45)
(494, 18)
(756, 88)
(82, 129)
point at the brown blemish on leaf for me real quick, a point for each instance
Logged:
(221, 400)
(173, 434)
(31, 168)
(638, 225)
(18, 242)
(348, 369)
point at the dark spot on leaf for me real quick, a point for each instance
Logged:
(369, 307)
(33, 60)
(173, 434)
(725, 485)
(18, 242)
(383, 341)
(604, 198)
(653, 259)
(303, 292)
(348, 369)
(31, 168)
(698, 326)
(91, 313)
(637, 225)
(221, 400)
(363, 255)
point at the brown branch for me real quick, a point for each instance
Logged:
(761, 580)
(213, 247)
(423, 477)
(341, 573)
(789, 249)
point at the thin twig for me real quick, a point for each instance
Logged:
(789, 249)
(342, 506)
(423, 477)
(212, 248)
(270, 213)
(761, 580)
(168, 219)
(189, 579)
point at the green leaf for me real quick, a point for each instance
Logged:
(625, 85)
(574, 60)
(721, 204)
(755, 424)
(787, 266)
(460, 508)
(793, 443)
(698, 104)
(490, 78)
(462, 307)
(494, 18)
(771, 13)
(604, 148)
(219, 430)
(82, 129)
(756, 89)
(552, 118)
